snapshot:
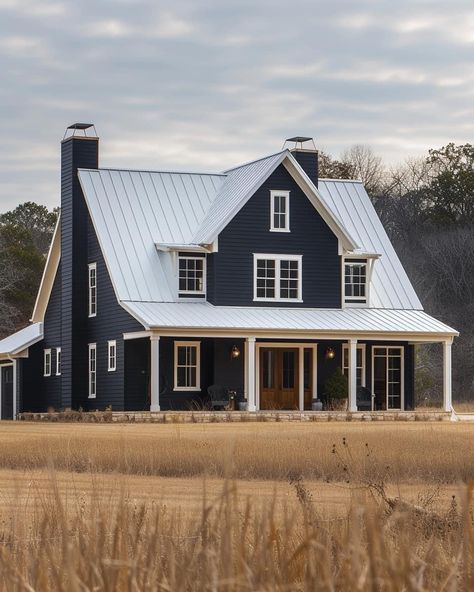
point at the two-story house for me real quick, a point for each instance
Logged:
(263, 278)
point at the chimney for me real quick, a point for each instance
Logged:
(79, 149)
(306, 156)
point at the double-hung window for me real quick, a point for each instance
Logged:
(112, 356)
(187, 364)
(277, 277)
(58, 361)
(360, 363)
(192, 276)
(47, 362)
(92, 289)
(355, 281)
(92, 370)
(280, 211)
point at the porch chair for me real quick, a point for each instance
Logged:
(364, 399)
(220, 396)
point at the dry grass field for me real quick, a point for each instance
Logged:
(237, 507)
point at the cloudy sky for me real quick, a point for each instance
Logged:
(205, 84)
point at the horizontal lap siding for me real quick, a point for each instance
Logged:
(231, 269)
(109, 324)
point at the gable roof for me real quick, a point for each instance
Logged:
(241, 183)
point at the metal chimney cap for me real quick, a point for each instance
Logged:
(299, 140)
(79, 130)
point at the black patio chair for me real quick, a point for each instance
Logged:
(220, 396)
(364, 399)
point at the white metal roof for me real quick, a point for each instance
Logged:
(361, 321)
(390, 287)
(19, 341)
(139, 215)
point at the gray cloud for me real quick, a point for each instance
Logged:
(205, 85)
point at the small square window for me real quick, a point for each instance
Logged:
(191, 276)
(355, 281)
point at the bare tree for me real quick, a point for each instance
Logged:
(366, 166)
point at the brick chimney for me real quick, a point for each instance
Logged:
(306, 156)
(79, 149)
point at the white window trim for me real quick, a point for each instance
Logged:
(355, 301)
(92, 347)
(278, 258)
(204, 277)
(111, 367)
(279, 193)
(92, 266)
(58, 361)
(360, 346)
(47, 355)
(197, 345)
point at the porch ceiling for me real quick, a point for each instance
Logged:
(360, 321)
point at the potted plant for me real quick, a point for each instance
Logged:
(243, 405)
(316, 405)
(336, 390)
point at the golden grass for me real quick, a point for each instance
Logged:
(237, 507)
(396, 452)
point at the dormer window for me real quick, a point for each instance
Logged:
(355, 281)
(280, 211)
(192, 275)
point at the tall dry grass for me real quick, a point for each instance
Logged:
(427, 453)
(122, 546)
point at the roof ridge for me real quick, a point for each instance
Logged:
(254, 161)
(341, 180)
(160, 172)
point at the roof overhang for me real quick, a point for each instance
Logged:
(192, 248)
(16, 344)
(49, 273)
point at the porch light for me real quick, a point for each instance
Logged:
(330, 354)
(234, 352)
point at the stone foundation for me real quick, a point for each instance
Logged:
(232, 416)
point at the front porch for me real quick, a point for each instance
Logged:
(284, 374)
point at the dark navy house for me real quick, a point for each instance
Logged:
(262, 279)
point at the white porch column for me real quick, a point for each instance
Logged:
(251, 381)
(447, 379)
(15, 388)
(301, 378)
(352, 375)
(155, 372)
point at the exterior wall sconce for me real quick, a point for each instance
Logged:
(330, 354)
(234, 352)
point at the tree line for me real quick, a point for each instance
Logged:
(426, 206)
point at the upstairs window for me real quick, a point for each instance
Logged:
(58, 361)
(277, 277)
(355, 282)
(47, 362)
(187, 364)
(192, 276)
(280, 211)
(92, 289)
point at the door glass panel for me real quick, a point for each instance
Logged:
(380, 378)
(394, 379)
(268, 369)
(288, 369)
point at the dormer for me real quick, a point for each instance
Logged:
(357, 269)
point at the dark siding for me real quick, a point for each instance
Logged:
(75, 153)
(229, 372)
(109, 324)
(409, 377)
(308, 160)
(32, 397)
(230, 270)
(53, 339)
(137, 375)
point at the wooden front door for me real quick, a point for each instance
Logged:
(7, 392)
(279, 388)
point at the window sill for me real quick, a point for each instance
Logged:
(111, 369)
(287, 300)
(280, 230)
(187, 389)
(92, 397)
(91, 316)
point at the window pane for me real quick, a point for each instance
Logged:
(288, 369)
(191, 274)
(355, 280)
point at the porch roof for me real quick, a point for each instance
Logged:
(346, 321)
(19, 341)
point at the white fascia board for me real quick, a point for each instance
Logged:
(133, 313)
(168, 247)
(49, 275)
(311, 191)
